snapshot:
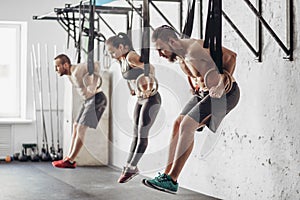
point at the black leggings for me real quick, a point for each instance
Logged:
(145, 113)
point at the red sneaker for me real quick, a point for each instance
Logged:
(128, 174)
(66, 163)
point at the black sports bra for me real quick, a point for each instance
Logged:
(128, 72)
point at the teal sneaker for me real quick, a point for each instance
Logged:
(163, 182)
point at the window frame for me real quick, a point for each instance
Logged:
(21, 30)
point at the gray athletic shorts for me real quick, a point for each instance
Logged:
(200, 107)
(92, 110)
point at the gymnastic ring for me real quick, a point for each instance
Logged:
(86, 83)
(227, 79)
(148, 88)
(107, 60)
(206, 75)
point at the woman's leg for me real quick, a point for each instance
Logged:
(147, 117)
(136, 116)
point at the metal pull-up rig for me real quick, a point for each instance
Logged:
(73, 19)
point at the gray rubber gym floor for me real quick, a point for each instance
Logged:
(38, 181)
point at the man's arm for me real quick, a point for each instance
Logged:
(92, 81)
(229, 60)
(205, 66)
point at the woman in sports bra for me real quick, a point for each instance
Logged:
(148, 99)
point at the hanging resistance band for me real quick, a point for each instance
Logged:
(213, 32)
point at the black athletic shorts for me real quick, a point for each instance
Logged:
(200, 107)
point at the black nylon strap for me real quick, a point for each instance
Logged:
(80, 26)
(213, 32)
(69, 29)
(208, 25)
(188, 27)
(91, 38)
(218, 21)
(145, 52)
(74, 27)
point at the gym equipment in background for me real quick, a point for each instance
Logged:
(29, 152)
(53, 154)
(44, 154)
(59, 154)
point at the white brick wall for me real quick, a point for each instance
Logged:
(257, 154)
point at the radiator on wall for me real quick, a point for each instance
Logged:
(5, 140)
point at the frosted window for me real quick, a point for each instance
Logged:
(11, 53)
